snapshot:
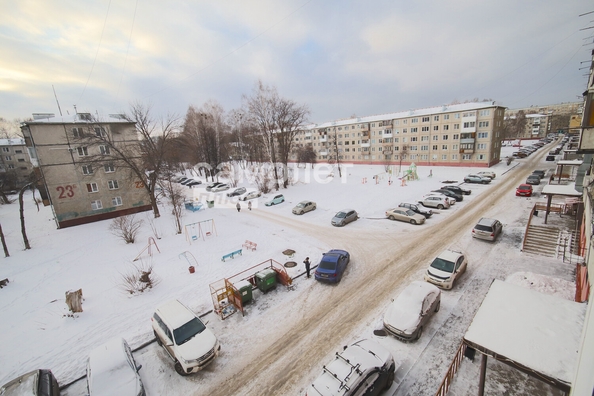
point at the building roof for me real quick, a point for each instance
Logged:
(409, 113)
(530, 330)
(561, 189)
(50, 118)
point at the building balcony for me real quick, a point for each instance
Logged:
(466, 150)
(387, 135)
(324, 138)
(308, 134)
(586, 144)
(323, 152)
(467, 141)
(365, 133)
(469, 119)
(365, 143)
(468, 129)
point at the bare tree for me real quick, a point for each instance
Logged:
(6, 254)
(403, 153)
(125, 227)
(514, 127)
(176, 197)
(335, 152)
(22, 214)
(306, 155)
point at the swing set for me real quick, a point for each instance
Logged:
(197, 230)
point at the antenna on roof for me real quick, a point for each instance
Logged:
(56, 96)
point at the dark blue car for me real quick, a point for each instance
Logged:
(332, 266)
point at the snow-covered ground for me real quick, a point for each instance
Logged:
(39, 333)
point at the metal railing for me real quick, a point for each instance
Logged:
(444, 387)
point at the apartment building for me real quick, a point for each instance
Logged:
(465, 134)
(77, 177)
(15, 165)
(540, 120)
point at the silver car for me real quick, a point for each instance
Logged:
(344, 217)
(406, 215)
(304, 207)
(487, 229)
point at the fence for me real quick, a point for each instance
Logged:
(444, 387)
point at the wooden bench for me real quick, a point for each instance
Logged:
(231, 255)
(250, 245)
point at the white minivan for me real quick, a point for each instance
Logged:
(190, 344)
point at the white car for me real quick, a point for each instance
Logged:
(190, 344)
(251, 195)
(411, 310)
(446, 268)
(364, 368)
(487, 174)
(435, 201)
(111, 370)
(450, 200)
(220, 187)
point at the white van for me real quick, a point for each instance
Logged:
(190, 344)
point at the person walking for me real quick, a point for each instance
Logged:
(250, 205)
(307, 264)
(238, 206)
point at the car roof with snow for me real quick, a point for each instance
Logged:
(450, 255)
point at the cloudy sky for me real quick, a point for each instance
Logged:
(339, 57)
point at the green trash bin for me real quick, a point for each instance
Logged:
(210, 204)
(266, 279)
(245, 290)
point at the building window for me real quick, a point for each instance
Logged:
(455, 136)
(425, 119)
(77, 132)
(444, 157)
(424, 148)
(5, 150)
(87, 169)
(10, 166)
(108, 168)
(424, 138)
(425, 129)
(414, 120)
(466, 156)
(444, 146)
(404, 130)
(446, 116)
(457, 115)
(104, 150)
(483, 124)
(100, 132)
(483, 135)
(92, 187)
(18, 151)
(434, 147)
(82, 151)
(436, 127)
(485, 112)
(116, 201)
(404, 121)
(456, 126)
(96, 205)
(481, 156)
(454, 147)
(469, 124)
(8, 158)
(435, 118)
(444, 137)
(413, 138)
(435, 137)
(446, 127)
(113, 184)
(454, 156)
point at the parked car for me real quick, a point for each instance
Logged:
(237, 192)
(406, 215)
(332, 266)
(35, 383)
(550, 158)
(539, 173)
(220, 187)
(417, 209)
(212, 185)
(450, 193)
(251, 195)
(446, 268)
(194, 183)
(487, 173)
(179, 179)
(280, 198)
(524, 190)
(457, 189)
(363, 368)
(451, 201)
(112, 370)
(533, 179)
(190, 344)
(304, 207)
(488, 229)
(344, 217)
(519, 154)
(187, 181)
(411, 310)
(477, 179)
(434, 201)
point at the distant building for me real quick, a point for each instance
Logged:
(15, 164)
(465, 134)
(539, 119)
(80, 184)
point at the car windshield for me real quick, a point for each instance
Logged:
(525, 188)
(185, 333)
(327, 265)
(443, 265)
(341, 215)
(410, 213)
(300, 205)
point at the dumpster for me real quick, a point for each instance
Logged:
(266, 279)
(210, 204)
(245, 290)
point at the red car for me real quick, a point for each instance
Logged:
(525, 190)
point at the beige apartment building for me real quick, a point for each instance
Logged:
(465, 134)
(15, 165)
(77, 179)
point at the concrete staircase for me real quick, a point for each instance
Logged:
(549, 241)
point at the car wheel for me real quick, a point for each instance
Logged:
(419, 333)
(390, 379)
(179, 369)
(157, 338)
(440, 206)
(437, 306)
(413, 221)
(391, 217)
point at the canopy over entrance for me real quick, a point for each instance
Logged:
(533, 332)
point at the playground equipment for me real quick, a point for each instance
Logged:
(194, 206)
(411, 172)
(232, 254)
(250, 245)
(151, 241)
(230, 294)
(187, 255)
(199, 229)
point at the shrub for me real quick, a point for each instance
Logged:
(125, 227)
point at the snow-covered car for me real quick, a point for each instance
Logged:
(304, 207)
(250, 195)
(280, 198)
(446, 268)
(406, 215)
(112, 370)
(450, 200)
(457, 189)
(237, 192)
(190, 344)
(411, 310)
(490, 174)
(477, 179)
(187, 181)
(213, 185)
(220, 187)
(344, 217)
(363, 368)
(435, 201)
(194, 184)
(420, 209)
(34, 383)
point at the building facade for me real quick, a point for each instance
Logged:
(15, 164)
(76, 177)
(455, 135)
(540, 119)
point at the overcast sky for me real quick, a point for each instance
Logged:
(338, 57)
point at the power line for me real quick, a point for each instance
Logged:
(127, 49)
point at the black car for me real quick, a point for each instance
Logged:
(193, 183)
(212, 185)
(457, 190)
(420, 209)
(450, 193)
(539, 173)
(533, 179)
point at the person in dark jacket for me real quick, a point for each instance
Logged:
(307, 265)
